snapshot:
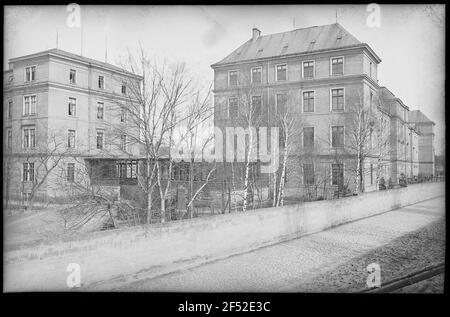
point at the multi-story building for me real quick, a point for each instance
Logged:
(320, 73)
(323, 74)
(60, 109)
(400, 152)
(425, 128)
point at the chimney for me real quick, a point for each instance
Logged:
(256, 34)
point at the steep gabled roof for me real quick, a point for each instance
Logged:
(305, 40)
(416, 116)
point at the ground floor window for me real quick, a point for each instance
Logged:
(308, 174)
(126, 169)
(337, 174)
(28, 172)
(71, 172)
(26, 196)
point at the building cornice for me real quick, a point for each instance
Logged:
(51, 84)
(98, 64)
(304, 82)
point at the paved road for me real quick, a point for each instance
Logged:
(336, 259)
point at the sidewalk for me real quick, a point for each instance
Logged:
(295, 265)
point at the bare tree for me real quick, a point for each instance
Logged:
(152, 106)
(41, 158)
(291, 129)
(194, 137)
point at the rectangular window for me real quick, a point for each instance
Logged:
(30, 73)
(29, 137)
(308, 137)
(308, 174)
(123, 139)
(232, 107)
(256, 106)
(28, 172)
(10, 109)
(73, 76)
(337, 66)
(71, 139)
(101, 82)
(308, 69)
(256, 75)
(9, 138)
(100, 110)
(72, 107)
(233, 78)
(70, 172)
(337, 99)
(124, 90)
(99, 140)
(281, 72)
(337, 136)
(26, 196)
(337, 174)
(29, 105)
(371, 174)
(131, 169)
(123, 115)
(308, 101)
(281, 104)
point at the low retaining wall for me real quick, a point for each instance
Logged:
(111, 254)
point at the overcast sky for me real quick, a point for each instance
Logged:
(410, 40)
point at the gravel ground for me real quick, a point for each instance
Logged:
(404, 255)
(434, 285)
(335, 260)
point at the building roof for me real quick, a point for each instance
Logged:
(417, 116)
(305, 40)
(65, 54)
(386, 94)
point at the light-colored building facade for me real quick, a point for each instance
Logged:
(425, 129)
(63, 104)
(321, 74)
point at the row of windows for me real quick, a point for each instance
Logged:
(337, 174)
(30, 102)
(28, 172)
(336, 134)
(308, 102)
(30, 75)
(281, 71)
(29, 138)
